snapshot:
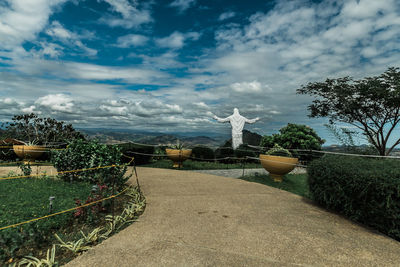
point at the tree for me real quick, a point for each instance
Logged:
(31, 129)
(371, 104)
(294, 136)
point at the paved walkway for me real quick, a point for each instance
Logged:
(195, 219)
(237, 173)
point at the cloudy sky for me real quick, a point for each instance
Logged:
(165, 65)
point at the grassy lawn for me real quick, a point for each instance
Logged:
(201, 165)
(28, 198)
(23, 199)
(294, 183)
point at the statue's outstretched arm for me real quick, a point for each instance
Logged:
(251, 121)
(221, 119)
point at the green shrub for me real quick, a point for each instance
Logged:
(88, 154)
(365, 190)
(295, 136)
(131, 150)
(203, 152)
(277, 150)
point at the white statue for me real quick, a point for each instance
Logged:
(237, 122)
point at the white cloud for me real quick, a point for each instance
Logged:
(112, 110)
(30, 109)
(249, 87)
(366, 8)
(132, 16)
(177, 39)
(202, 105)
(163, 61)
(56, 102)
(85, 71)
(98, 72)
(68, 38)
(183, 5)
(57, 30)
(131, 40)
(50, 49)
(22, 20)
(226, 15)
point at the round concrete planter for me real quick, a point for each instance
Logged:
(278, 166)
(28, 153)
(178, 156)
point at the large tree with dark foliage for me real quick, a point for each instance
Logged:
(371, 104)
(32, 129)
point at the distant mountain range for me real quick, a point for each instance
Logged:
(123, 136)
(189, 139)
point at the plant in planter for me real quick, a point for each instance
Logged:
(35, 134)
(278, 162)
(178, 154)
(29, 151)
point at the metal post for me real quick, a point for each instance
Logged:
(244, 163)
(51, 203)
(113, 192)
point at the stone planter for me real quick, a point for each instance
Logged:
(278, 166)
(28, 153)
(178, 156)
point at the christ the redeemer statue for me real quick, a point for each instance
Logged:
(237, 122)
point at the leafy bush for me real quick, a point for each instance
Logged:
(88, 154)
(129, 150)
(203, 152)
(365, 190)
(295, 136)
(277, 150)
(24, 199)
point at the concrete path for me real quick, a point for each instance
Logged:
(195, 219)
(237, 173)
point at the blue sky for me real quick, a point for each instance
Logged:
(165, 66)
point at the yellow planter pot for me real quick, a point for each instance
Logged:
(28, 153)
(178, 156)
(278, 166)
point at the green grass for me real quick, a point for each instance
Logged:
(294, 183)
(201, 165)
(27, 198)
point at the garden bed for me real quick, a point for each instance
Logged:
(27, 198)
(201, 165)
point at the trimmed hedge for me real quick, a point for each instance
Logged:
(129, 149)
(203, 152)
(365, 190)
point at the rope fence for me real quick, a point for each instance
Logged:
(64, 211)
(78, 207)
